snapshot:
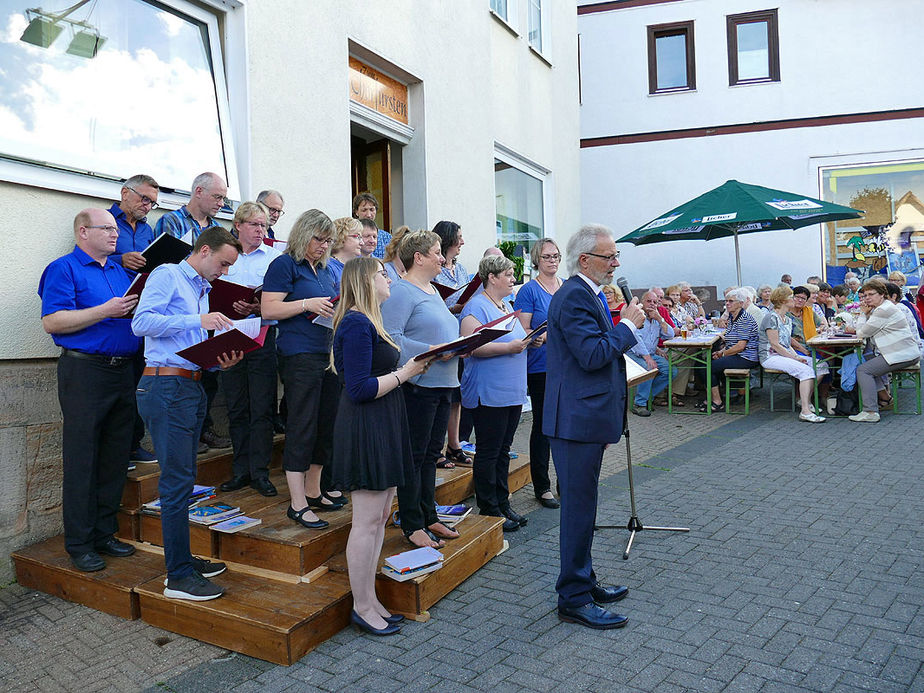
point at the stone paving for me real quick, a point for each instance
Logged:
(804, 570)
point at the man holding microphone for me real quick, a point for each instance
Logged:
(585, 410)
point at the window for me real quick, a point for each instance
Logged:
(519, 204)
(535, 24)
(671, 64)
(110, 88)
(890, 234)
(500, 9)
(753, 48)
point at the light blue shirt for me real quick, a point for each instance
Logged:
(169, 314)
(647, 337)
(416, 320)
(179, 222)
(493, 381)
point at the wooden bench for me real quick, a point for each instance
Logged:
(776, 375)
(735, 379)
(898, 377)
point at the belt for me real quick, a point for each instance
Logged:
(166, 370)
(99, 358)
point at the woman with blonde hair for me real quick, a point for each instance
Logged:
(347, 244)
(393, 264)
(298, 283)
(372, 447)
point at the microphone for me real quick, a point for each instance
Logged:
(624, 287)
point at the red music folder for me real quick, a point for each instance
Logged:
(205, 354)
(464, 345)
(467, 291)
(225, 293)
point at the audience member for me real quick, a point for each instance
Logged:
(645, 353)
(740, 344)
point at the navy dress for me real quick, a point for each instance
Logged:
(372, 444)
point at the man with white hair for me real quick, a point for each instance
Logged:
(272, 200)
(585, 410)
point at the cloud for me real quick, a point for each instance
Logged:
(14, 27)
(173, 25)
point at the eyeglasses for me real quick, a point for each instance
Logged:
(354, 235)
(323, 241)
(608, 258)
(274, 210)
(108, 229)
(256, 224)
(553, 258)
(218, 197)
(145, 200)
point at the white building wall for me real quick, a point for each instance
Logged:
(839, 57)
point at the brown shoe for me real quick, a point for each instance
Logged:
(677, 401)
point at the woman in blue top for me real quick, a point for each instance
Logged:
(348, 239)
(494, 387)
(372, 447)
(417, 319)
(393, 265)
(298, 286)
(533, 303)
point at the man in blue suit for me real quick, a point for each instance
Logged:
(585, 410)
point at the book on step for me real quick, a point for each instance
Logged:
(235, 524)
(210, 514)
(409, 574)
(413, 559)
(199, 494)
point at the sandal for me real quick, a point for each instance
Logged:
(457, 456)
(716, 408)
(439, 542)
(448, 529)
(885, 402)
(443, 463)
(677, 401)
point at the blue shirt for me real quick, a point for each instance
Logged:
(416, 320)
(495, 381)
(744, 327)
(647, 336)
(383, 239)
(169, 314)
(130, 239)
(456, 278)
(335, 267)
(392, 272)
(532, 298)
(179, 222)
(77, 281)
(298, 335)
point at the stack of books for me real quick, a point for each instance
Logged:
(410, 564)
(451, 515)
(218, 516)
(198, 495)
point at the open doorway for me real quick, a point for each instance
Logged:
(376, 168)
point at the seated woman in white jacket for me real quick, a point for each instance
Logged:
(883, 324)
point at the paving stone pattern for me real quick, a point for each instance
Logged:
(803, 571)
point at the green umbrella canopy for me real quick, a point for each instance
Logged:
(735, 208)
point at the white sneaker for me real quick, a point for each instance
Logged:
(812, 417)
(865, 417)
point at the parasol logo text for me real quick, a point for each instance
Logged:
(784, 205)
(658, 223)
(712, 218)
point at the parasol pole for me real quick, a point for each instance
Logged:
(737, 256)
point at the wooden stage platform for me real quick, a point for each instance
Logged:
(286, 587)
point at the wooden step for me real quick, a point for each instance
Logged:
(214, 467)
(274, 620)
(482, 539)
(47, 567)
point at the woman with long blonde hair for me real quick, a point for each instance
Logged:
(372, 446)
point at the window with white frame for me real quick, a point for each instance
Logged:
(110, 88)
(519, 193)
(535, 24)
(499, 8)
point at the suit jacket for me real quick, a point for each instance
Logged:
(585, 391)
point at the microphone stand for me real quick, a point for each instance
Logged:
(633, 526)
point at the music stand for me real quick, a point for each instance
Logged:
(633, 526)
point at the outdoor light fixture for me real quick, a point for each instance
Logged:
(44, 28)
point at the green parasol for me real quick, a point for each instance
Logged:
(735, 208)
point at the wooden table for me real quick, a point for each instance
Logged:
(837, 348)
(701, 347)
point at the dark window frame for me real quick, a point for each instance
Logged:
(732, 22)
(656, 31)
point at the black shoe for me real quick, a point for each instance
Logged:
(340, 500)
(193, 587)
(297, 516)
(317, 503)
(235, 483)
(88, 562)
(510, 514)
(592, 616)
(361, 625)
(510, 525)
(641, 411)
(264, 486)
(548, 502)
(213, 440)
(114, 547)
(279, 426)
(208, 568)
(606, 595)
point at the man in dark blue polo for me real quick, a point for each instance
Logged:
(84, 311)
(138, 198)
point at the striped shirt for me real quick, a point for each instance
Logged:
(885, 326)
(743, 328)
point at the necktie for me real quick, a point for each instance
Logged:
(602, 297)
